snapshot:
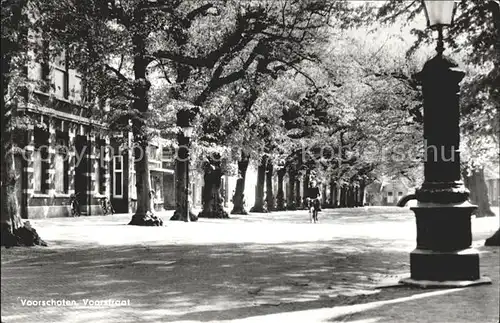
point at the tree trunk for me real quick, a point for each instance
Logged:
(259, 189)
(10, 217)
(348, 196)
(298, 198)
(324, 195)
(351, 202)
(330, 195)
(479, 193)
(356, 196)
(212, 199)
(181, 166)
(144, 213)
(494, 240)
(269, 187)
(305, 187)
(362, 187)
(343, 196)
(290, 203)
(12, 231)
(239, 193)
(182, 196)
(334, 194)
(280, 196)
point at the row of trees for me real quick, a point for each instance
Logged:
(293, 86)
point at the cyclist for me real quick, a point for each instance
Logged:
(74, 204)
(313, 198)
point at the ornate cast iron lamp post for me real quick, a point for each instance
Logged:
(443, 256)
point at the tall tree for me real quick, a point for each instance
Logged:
(15, 48)
(110, 44)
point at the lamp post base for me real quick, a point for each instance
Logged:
(444, 266)
(443, 257)
(445, 284)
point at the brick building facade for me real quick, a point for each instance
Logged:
(66, 152)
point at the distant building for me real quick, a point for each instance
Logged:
(387, 192)
(492, 177)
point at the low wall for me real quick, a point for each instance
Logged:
(58, 211)
(48, 211)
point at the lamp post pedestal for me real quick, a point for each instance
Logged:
(443, 257)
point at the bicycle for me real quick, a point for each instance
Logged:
(74, 205)
(106, 206)
(313, 205)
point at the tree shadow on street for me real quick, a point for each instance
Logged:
(204, 282)
(199, 282)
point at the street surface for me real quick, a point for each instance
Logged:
(272, 267)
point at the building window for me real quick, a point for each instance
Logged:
(37, 171)
(118, 176)
(167, 154)
(40, 162)
(59, 173)
(97, 175)
(154, 153)
(133, 188)
(61, 164)
(75, 84)
(390, 197)
(40, 167)
(61, 76)
(61, 82)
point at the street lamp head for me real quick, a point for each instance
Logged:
(439, 13)
(187, 131)
(184, 121)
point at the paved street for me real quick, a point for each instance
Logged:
(257, 268)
